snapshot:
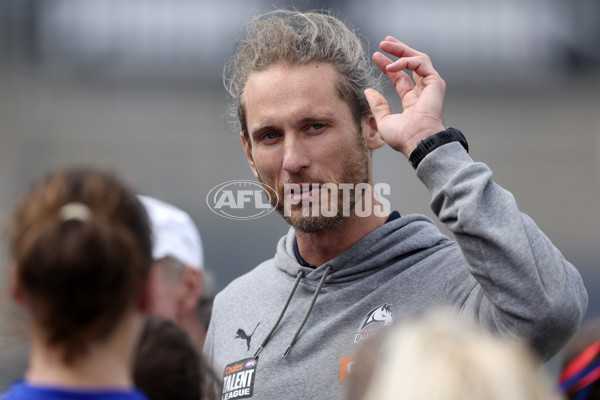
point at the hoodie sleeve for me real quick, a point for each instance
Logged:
(525, 288)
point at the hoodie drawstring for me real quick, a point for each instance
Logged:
(312, 303)
(284, 309)
(285, 306)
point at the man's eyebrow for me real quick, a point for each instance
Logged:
(261, 129)
(306, 120)
(318, 118)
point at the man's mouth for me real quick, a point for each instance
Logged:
(298, 192)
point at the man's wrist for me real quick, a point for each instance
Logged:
(432, 142)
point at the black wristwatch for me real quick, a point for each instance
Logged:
(431, 143)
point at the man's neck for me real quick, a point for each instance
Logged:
(319, 247)
(193, 326)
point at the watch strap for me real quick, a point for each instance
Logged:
(432, 142)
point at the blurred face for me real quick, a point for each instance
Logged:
(301, 131)
(165, 289)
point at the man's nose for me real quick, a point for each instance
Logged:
(295, 158)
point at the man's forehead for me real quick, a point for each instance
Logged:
(305, 91)
(292, 76)
(286, 67)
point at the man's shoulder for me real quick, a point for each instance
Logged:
(247, 281)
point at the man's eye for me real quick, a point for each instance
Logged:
(316, 127)
(270, 136)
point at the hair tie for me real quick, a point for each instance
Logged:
(75, 211)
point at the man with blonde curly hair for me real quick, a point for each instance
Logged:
(302, 89)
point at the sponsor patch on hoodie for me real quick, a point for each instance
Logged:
(375, 319)
(238, 379)
(346, 364)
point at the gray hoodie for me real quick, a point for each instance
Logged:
(501, 269)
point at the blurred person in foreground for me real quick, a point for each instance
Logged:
(177, 274)
(81, 246)
(580, 376)
(301, 86)
(440, 355)
(168, 366)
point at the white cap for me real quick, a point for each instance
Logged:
(174, 233)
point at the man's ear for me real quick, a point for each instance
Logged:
(248, 151)
(147, 293)
(372, 138)
(15, 289)
(191, 287)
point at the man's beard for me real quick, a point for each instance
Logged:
(355, 170)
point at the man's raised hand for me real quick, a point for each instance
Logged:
(422, 97)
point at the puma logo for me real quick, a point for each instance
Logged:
(241, 334)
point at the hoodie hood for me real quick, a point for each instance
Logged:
(405, 237)
(395, 242)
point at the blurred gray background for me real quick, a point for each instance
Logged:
(135, 85)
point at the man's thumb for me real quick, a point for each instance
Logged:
(378, 104)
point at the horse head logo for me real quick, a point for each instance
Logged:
(381, 314)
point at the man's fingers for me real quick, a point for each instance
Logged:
(408, 58)
(379, 105)
(381, 61)
(396, 48)
(401, 80)
(421, 64)
(403, 83)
